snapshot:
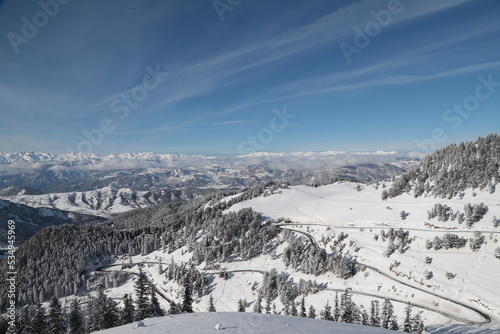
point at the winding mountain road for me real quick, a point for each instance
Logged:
(485, 316)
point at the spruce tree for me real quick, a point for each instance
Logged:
(312, 313)
(211, 306)
(128, 311)
(303, 313)
(25, 319)
(336, 311)
(187, 302)
(156, 309)
(92, 319)
(141, 287)
(417, 325)
(110, 316)
(55, 319)
(387, 314)
(268, 306)
(293, 309)
(242, 305)
(258, 304)
(327, 314)
(393, 325)
(105, 309)
(39, 323)
(374, 314)
(407, 328)
(347, 314)
(76, 323)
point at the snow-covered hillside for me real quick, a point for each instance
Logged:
(30, 220)
(106, 202)
(249, 323)
(358, 211)
(460, 295)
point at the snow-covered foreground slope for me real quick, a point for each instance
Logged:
(251, 323)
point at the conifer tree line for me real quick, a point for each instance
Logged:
(451, 170)
(301, 255)
(471, 215)
(343, 309)
(100, 312)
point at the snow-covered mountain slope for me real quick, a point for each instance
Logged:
(456, 289)
(248, 323)
(464, 302)
(31, 220)
(147, 171)
(420, 273)
(348, 204)
(107, 201)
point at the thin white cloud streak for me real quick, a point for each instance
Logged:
(397, 80)
(327, 30)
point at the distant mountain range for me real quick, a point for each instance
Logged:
(48, 173)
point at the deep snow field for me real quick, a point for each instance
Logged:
(249, 323)
(468, 303)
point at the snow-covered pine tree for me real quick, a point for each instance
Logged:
(347, 314)
(141, 287)
(55, 320)
(187, 301)
(293, 309)
(417, 325)
(242, 305)
(25, 319)
(393, 325)
(156, 309)
(268, 305)
(76, 324)
(407, 324)
(92, 319)
(127, 313)
(211, 306)
(336, 311)
(387, 314)
(303, 313)
(374, 314)
(312, 313)
(257, 308)
(327, 313)
(39, 321)
(160, 268)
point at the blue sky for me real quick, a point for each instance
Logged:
(81, 80)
